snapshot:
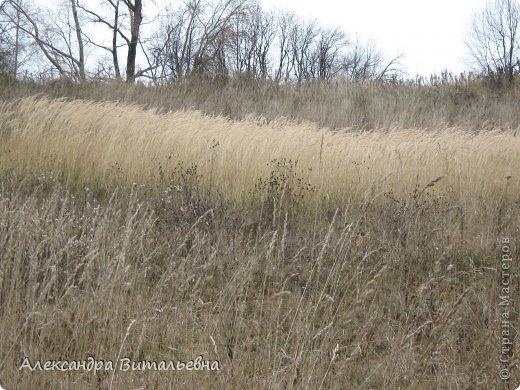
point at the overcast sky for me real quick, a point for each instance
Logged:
(430, 34)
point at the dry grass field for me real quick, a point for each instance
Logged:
(298, 256)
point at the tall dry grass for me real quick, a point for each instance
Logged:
(467, 104)
(118, 144)
(345, 302)
(296, 256)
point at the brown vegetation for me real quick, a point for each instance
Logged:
(295, 256)
(445, 101)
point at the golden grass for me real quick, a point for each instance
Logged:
(351, 290)
(89, 141)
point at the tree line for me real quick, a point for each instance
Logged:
(209, 37)
(128, 40)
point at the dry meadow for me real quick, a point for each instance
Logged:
(297, 251)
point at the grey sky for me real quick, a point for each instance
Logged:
(429, 33)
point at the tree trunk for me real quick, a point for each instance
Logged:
(114, 42)
(81, 47)
(135, 24)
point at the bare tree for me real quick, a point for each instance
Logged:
(331, 45)
(176, 39)
(286, 23)
(124, 19)
(114, 24)
(252, 38)
(198, 37)
(5, 44)
(59, 39)
(135, 9)
(15, 47)
(365, 61)
(264, 32)
(180, 34)
(216, 28)
(493, 40)
(79, 38)
(301, 43)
